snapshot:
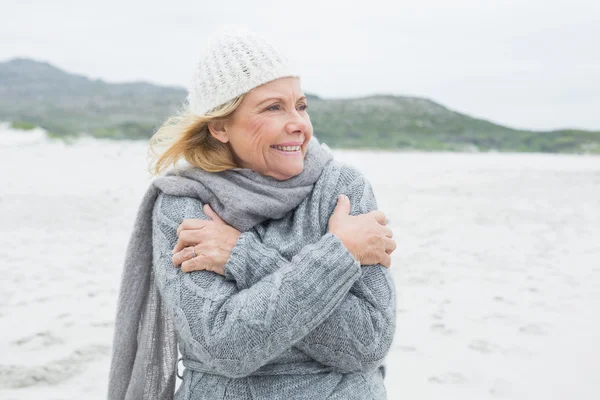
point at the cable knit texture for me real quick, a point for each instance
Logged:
(234, 62)
(144, 352)
(294, 317)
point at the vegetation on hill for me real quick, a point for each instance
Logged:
(34, 93)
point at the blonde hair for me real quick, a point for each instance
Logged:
(186, 136)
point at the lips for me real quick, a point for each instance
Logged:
(289, 144)
(287, 148)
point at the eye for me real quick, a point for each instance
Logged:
(277, 107)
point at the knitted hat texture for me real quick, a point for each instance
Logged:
(233, 63)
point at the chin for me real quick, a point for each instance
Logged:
(287, 174)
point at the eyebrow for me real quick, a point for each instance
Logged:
(278, 98)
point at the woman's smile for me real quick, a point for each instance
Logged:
(288, 149)
(288, 153)
(270, 130)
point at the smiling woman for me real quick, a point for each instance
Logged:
(264, 261)
(268, 135)
(270, 131)
(257, 135)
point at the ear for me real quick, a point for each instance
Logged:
(219, 131)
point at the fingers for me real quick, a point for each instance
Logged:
(197, 263)
(194, 260)
(195, 224)
(342, 206)
(191, 224)
(183, 255)
(388, 232)
(202, 262)
(180, 245)
(189, 238)
(386, 260)
(390, 245)
(379, 216)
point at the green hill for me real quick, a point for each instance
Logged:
(37, 93)
(66, 104)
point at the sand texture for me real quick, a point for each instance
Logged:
(497, 268)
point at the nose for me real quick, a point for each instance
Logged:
(298, 123)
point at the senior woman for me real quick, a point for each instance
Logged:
(262, 258)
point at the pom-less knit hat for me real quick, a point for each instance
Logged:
(233, 63)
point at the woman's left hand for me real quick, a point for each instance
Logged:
(211, 241)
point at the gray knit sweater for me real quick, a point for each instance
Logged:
(294, 317)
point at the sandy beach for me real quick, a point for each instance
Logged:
(497, 267)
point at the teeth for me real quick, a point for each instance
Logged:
(288, 148)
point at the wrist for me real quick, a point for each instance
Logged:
(341, 241)
(232, 237)
(237, 258)
(345, 245)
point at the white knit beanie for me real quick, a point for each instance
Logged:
(234, 62)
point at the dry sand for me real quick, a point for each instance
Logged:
(497, 268)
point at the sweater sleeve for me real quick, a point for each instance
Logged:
(359, 333)
(234, 332)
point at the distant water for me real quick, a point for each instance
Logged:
(497, 268)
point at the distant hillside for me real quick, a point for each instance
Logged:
(37, 93)
(418, 123)
(63, 103)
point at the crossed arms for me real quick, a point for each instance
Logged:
(322, 301)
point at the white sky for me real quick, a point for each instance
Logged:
(528, 63)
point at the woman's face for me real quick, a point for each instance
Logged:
(270, 116)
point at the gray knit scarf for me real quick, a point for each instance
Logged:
(144, 355)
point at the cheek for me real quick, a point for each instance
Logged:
(264, 130)
(310, 127)
(247, 136)
(255, 127)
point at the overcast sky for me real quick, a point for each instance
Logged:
(527, 64)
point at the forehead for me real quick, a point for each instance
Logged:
(282, 87)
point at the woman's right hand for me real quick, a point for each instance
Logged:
(366, 236)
